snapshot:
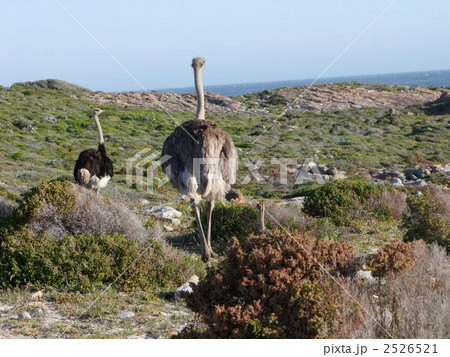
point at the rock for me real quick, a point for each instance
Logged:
(381, 175)
(397, 182)
(364, 275)
(413, 174)
(38, 295)
(393, 112)
(445, 97)
(386, 318)
(234, 195)
(418, 193)
(24, 315)
(49, 119)
(126, 314)
(37, 312)
(417, 183)
(29, 128)
(168, 228)
(163, 211)
(396, 174)
(322, 169)
(332, 171)
(186, 288)
(296, 200)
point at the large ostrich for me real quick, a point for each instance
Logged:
(93, 168)
(203, 161)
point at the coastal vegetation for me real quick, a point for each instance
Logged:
(379, 220)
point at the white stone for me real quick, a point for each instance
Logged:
(416, 183)
(364, 275)
(296, 200)
(163, 211)
(186, 288)
(37, 312)
(126, 314)
(168, 228)
(24, 315)
(38, 295)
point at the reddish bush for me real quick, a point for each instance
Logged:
(392, 258)
(273, 286)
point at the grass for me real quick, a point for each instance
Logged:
(90, 315)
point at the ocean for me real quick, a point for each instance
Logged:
(424, 79)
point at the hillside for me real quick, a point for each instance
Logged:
(61, 245)
(42, 130)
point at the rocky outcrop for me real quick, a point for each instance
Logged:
(55, 84)
(330, 97)
(411, 177)
(172, 102)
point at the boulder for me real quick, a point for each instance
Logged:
(416, 183)
(397, 182)
(186, 288)
(164, 212)
(364, 275)
(234, 195)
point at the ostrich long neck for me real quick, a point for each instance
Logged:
(200, 93)
(99, 130)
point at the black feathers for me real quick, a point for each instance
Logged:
(96, 162)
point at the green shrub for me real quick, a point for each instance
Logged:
(85, 262)
(67, 237)
(59, 194)
(342, 200)
(269, 286)
(231, 220)
(427, 219)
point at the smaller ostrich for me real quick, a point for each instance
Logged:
(93, 168)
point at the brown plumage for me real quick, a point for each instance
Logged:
(203, 161)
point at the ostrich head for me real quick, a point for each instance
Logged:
(197, 64)
(97, 111)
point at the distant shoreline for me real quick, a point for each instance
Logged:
(436, 78)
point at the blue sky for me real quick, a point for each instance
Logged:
(242, 40)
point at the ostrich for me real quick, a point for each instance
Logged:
(202, 161)
(93, 168)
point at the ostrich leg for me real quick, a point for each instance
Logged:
(206, 253)
(210, 207)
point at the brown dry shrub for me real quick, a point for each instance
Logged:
(414, 304)
(392, 258)
(395, 202)
(273, 286)
(61, 208)
(289, 216)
